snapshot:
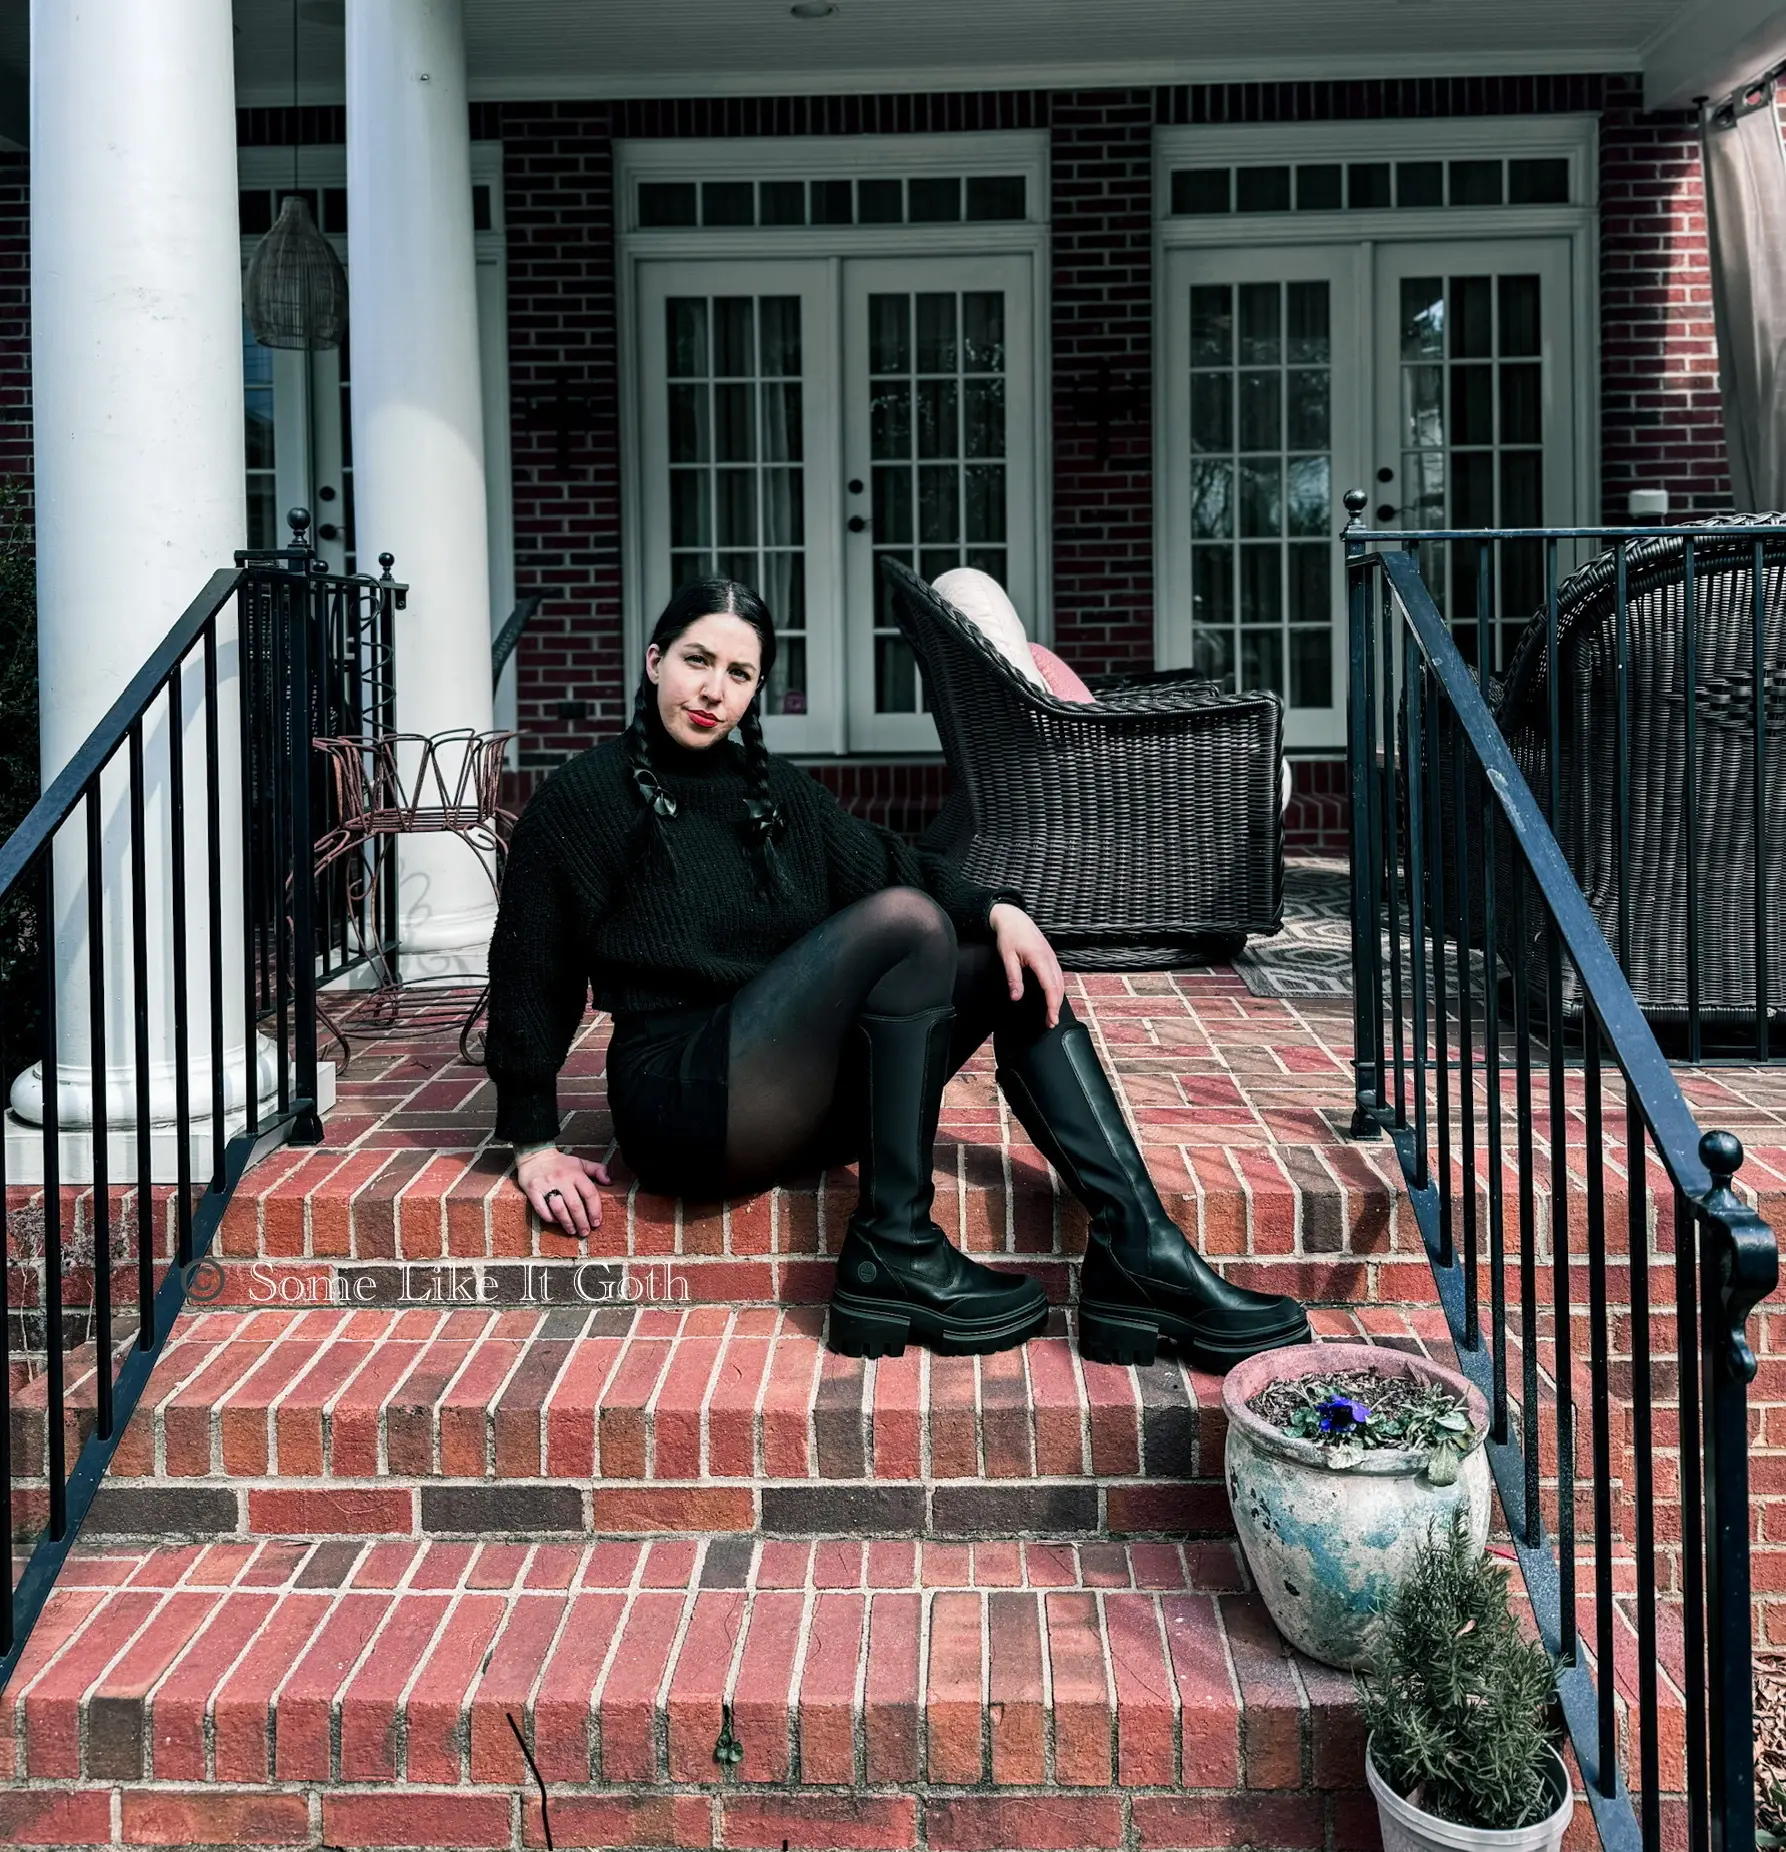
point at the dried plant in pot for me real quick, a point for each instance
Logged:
(1457, 1702)
(1341, 1460)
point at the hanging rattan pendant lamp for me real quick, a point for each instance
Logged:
(295, 292)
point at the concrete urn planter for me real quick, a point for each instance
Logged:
(1328, 1545)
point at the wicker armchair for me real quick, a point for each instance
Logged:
(1723, 869)
(1140, 830)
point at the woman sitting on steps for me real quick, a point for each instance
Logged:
(791, 988)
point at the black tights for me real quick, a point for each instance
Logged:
(795, 1087)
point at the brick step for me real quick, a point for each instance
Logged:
(1329, 1224)
(895, 1693)
(615, 1421)
(618, 1420)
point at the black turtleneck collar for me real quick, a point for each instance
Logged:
(673, 760)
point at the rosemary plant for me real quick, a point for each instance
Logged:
(1456, 1698)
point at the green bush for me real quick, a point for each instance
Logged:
(19, 771)
(1456, 1698)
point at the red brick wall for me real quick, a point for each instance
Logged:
(1101, 161)
(1661, 426)
(15, 316)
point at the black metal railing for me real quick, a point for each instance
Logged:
(1490, 1006)
(81, 1334)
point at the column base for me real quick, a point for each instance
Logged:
(25, 1145)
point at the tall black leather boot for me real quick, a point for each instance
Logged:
(1142, 1279)
(898, 1275)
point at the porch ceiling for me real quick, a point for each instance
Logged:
(547, 48)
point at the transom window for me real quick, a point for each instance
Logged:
(1335, 186)
(929, 199)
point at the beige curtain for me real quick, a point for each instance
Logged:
(1745, 191)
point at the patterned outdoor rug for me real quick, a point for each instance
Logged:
(1312, 956)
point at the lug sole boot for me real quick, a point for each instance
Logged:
(1142, 1279)
(899, 1277)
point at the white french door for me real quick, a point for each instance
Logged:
(1434, 374)
(802, 418)
(939, 449)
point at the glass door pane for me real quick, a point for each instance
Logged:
(937, 379)
(1473, 430)
(737, 410)
(1261, 509)
(939, 439)
(734, 410)
(1265, 429)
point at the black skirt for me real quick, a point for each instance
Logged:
(667, 1073)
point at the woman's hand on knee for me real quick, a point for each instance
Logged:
(562, 1188)
(1022, 946)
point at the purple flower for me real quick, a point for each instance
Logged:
(1340, 1414)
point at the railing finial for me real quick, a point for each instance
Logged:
(1722, 1154)
(298, 520)
(387, 561)
(1356, 501)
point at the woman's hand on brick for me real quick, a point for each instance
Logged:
(562, 1188)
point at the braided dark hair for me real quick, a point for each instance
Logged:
(762, 823)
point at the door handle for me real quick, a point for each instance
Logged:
(1386, 511)
(328, 531)
(857, 524)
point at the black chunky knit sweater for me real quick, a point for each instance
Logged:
(572, 914)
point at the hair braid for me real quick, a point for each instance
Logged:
(763, 819)
(649, 838)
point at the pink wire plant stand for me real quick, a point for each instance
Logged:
(452, 786)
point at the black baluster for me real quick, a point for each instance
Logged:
(1690, 770)
(1388, 822)
(1441, 1021)
(139, 1000)
(1466, 1044)
(1761, 833)
(1528, 1220)
(1413, 680)
(176, 783)
(1643, 1461)
(1598, 1348)
(102, 1203)
(1686, 1352)
(55, 1384)
(214, 899)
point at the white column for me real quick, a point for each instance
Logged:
(137, 405)
(418, 427)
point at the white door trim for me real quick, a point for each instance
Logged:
(1574, 137)
(996, 152)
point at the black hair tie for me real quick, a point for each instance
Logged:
(765, 821)
(652, 791)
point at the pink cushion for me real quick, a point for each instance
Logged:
(1062, 682)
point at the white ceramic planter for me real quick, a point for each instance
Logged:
(1328, 1546)
(1406, 1828)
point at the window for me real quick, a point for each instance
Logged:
(1333, 186)
(948, 199)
